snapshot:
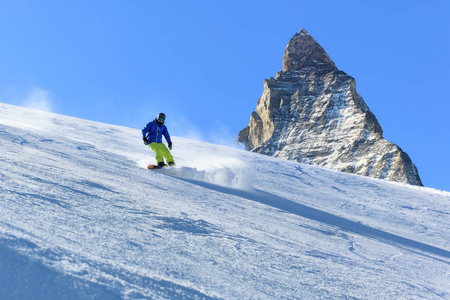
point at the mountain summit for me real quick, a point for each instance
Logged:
(303, 51)
(312, 113)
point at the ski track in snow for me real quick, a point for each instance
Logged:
(82, 218)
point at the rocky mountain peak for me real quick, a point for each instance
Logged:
(312, 113)
(304, 51)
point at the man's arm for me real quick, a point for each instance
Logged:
(167, 136)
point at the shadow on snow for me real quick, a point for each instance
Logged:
(327, 218)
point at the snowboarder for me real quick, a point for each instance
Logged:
(152, 136)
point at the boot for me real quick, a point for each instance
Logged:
(160, 165)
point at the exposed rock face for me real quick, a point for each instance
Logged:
(313, 114)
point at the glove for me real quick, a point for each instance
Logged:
(145, 141)
(170, 145)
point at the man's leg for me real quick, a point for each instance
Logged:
(167, 155)
(156, 147)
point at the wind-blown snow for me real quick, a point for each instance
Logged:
(81, 218)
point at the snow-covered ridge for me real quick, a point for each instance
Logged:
(81, 218)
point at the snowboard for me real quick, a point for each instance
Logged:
(178, 171)
(150, 167)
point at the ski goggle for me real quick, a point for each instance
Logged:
(161, 119)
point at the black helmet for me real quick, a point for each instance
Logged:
(161, 118)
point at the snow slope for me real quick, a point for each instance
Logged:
(81, 218)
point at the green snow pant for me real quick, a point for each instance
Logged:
(161, 152)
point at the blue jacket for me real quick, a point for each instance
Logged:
(154, 132)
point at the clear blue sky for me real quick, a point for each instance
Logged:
(203, 63)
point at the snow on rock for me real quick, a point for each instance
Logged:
(82, 218)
